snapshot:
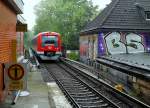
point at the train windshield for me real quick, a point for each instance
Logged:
(49, 40)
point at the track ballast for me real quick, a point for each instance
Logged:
(80, 92)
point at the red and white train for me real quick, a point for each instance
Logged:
(47, 45)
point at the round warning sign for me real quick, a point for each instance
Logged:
(15, 72)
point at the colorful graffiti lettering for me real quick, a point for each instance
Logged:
(116, 43)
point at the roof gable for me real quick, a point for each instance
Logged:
(121, 14)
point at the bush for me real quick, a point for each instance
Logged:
(73, 56)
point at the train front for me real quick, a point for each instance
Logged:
(49, 46)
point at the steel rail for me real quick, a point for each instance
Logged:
(70, 98)
(143, 105)
(60, 80)
(92, 89)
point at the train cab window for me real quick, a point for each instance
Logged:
(49, 40)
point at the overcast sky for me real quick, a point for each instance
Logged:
(29, 10)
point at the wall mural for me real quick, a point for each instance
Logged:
(134, 43)
(146, 41)
(91, 47)
(119, 43)
(84, 47)
(95, 48)
(101, 45)
(114, 43)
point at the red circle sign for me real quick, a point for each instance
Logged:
(15, 72)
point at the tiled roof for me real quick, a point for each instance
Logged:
(120, 15)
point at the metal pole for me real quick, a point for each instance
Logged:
(16, 97)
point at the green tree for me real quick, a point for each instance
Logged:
(67, 17)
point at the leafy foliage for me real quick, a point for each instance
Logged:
(67, 17)
(73, 56)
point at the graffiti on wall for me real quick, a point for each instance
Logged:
(101, 45)
(84, 47)
(92, 46)
(146, 41)
(114, 43)
(134, 43)
(123, 43)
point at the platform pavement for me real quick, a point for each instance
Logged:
(38, 97)
(42, 95)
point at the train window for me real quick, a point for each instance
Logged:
(49, 40)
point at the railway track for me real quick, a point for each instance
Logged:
(81, 94)
(84, 93)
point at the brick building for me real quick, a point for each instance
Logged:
(9, 9)
(20, 37)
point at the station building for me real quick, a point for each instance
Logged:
(11, 37)
(123, 27)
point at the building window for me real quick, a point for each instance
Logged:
(147, 13)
